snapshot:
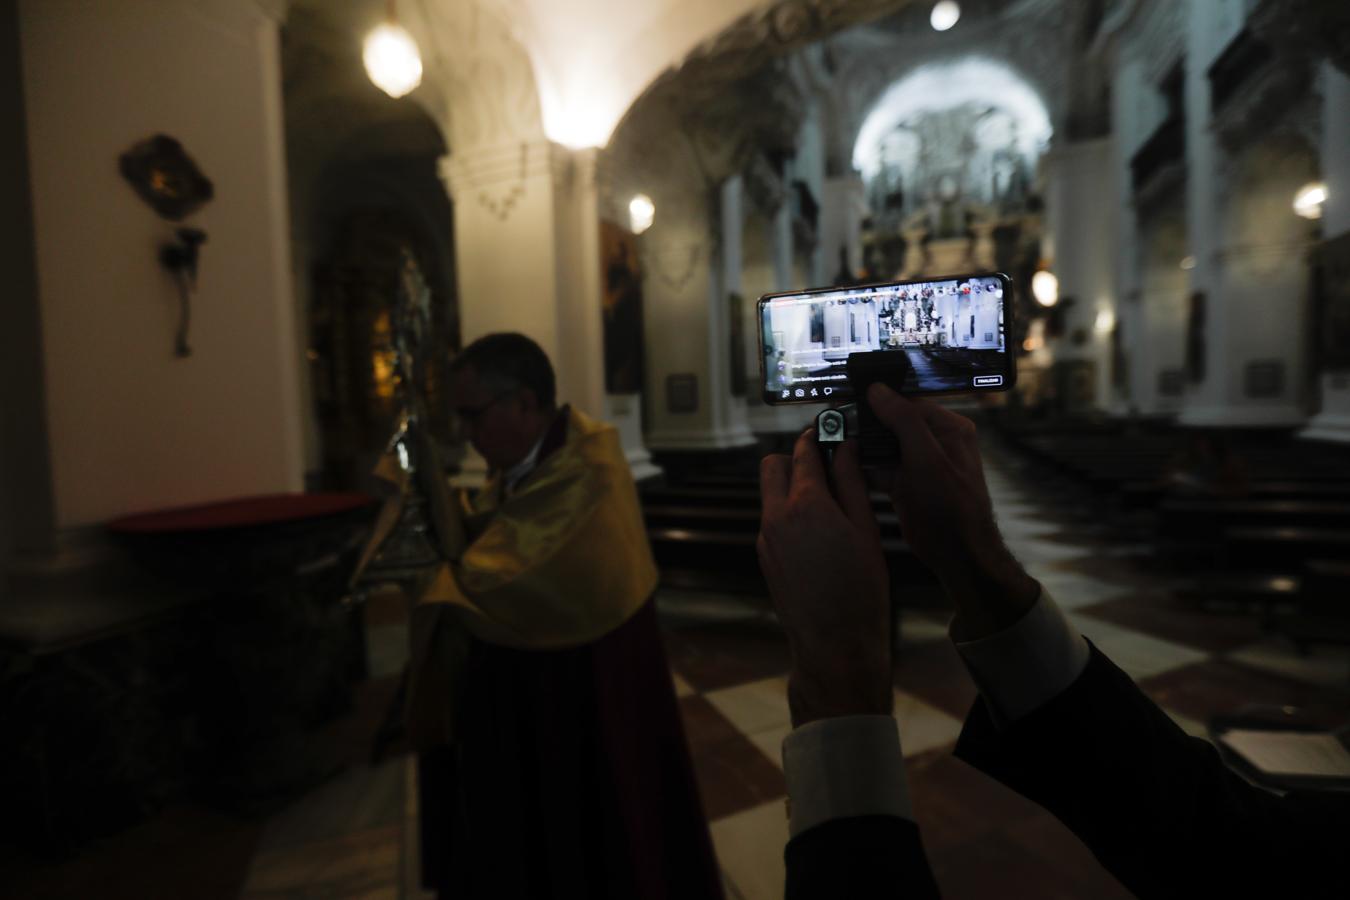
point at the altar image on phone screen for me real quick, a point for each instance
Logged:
(948, 335)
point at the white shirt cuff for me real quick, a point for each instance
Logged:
(1028, 664)
(843, 767)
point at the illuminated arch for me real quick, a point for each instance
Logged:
(937, 86)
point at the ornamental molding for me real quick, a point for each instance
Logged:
(485, 75)
(276, 10)
(497, 178)
(674, 264)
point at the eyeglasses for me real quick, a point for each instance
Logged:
(469, 416)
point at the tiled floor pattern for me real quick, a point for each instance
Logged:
(355, 836)
(983, 840)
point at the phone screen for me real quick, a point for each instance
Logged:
(948, 334)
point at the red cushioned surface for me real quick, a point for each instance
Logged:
(244, 512)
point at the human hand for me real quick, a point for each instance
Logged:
(946, 516)
(821, 556)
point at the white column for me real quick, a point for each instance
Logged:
(774, 241)
(728, 411)
(1204, 402)
(515, 249)
(843, 205)
(527, 255)
(132, 426)
(1082, 235)
(1254, 295)
(26, 492)
(781, 247)
(685, 283)
(581, 282)
(1332, 422)
(1126, 86)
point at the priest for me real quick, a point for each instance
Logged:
(552, 759)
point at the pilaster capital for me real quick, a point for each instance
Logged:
(276, 10)
(497, 176)
(675, 264)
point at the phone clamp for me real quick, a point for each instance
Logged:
(832, 429)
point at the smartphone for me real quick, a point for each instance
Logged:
(943, 335)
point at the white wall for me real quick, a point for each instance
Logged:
(131, 426)
(809, 166)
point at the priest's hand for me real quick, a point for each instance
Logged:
(946, 516)
(821, 556)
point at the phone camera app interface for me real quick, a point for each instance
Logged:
(947, 335)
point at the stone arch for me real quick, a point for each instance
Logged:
(942, 84)
(364, 183)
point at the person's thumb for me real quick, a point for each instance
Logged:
(904, 420)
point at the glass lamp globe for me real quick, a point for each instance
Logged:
(392, 59)
(1309, 199)
(1045, 288)
(944, 15)
(641, 213)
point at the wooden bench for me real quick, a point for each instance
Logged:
(723, 518)
(1322, 616)
(1281, 549)
(1143, 494)
(733, 552)
(1206, 518)
(725, 496)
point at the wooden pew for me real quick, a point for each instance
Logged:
(731, 518)
(1323, 612)
(1144, 494)
(726, 560)
(1203, 520)
(724, 496)
(1281, 548)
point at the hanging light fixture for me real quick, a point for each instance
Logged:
(1045, 288)
(944, 15)
(1309, 199)
(641, 213)
(392, 59)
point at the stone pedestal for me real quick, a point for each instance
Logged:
(1333, 422)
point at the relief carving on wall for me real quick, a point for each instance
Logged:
(492, 94)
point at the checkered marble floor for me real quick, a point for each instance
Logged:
(355, 836)
(729, 665)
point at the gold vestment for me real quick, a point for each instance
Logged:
(562, 561)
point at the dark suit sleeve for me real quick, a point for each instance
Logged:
(859, 857)
(1159, 808)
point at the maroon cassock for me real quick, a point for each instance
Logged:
(570, 775)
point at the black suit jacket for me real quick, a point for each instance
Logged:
(1158, 808)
